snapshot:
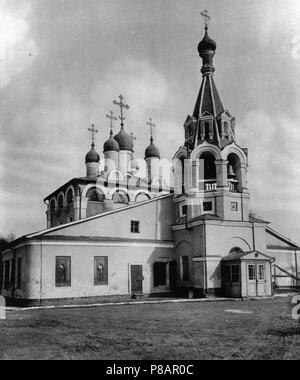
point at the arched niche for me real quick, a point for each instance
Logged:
(94, 194)
(121, 196)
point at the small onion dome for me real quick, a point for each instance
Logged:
(111, 145)
(92, 156)
(152, 151)
(124, 140)
(207, 44)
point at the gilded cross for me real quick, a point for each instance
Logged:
(122, 106)
(93, 130)
(152, 126)
(112, 119)
(206, 18)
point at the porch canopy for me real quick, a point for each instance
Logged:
(247, 274)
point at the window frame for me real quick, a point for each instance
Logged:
(135, 227)
(68, 281)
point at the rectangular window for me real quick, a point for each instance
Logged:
(185, 269)
(227, 273)
(101, 270)
(135, 227)
(7, 270)
(261, 272)
(160, 274)
(251, 272)
(184, 210)
(207, 206)
(235, 273)
(63, 272)
(19, 273)
(234, 206)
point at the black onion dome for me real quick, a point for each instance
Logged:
(207, 44)
(92, 156)
(152, 151)
(124, 140)
(111, 145)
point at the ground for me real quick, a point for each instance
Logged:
(212, 330)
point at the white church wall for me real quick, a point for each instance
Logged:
(155, 217)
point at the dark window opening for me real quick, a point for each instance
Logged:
(60, 202)
(95, 195)
(184, 210)
(185, 268)
(160, 274)
(7, 269)
(209, 167)
(207, 206)
(19, 273)
(70, 197)
(135, 227)
(235, 273)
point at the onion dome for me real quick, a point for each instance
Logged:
(124, 140)
(152, 150)
(111, 145)
(207, 43)
(92, 155)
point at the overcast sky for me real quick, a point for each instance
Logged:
(63, 62)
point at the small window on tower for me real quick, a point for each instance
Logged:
(234, 206)
(184, 210)
(207, 206)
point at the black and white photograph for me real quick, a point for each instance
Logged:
(150, 183)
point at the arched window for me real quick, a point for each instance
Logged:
(182, 161)
(234, 172)
(226, 130)
(95, 195)
(121, 197)
(236, 250)
(60, 202)
(142, 197)
(207, 166)
(70, 197)
(52, 205)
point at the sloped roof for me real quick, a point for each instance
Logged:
(281, 238)
(241, 255)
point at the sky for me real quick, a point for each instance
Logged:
(63, 62)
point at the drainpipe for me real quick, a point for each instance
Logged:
(13, 274)
(296, 268)
(253, 236)
(205, 261)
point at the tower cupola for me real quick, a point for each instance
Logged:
(92, 158)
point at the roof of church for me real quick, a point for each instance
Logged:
(124, 140)
(152, 150)
(208, 100)
(282, 238)
(92, 155)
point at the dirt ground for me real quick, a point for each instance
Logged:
(216, 330)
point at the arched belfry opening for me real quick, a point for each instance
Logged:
(207, 172)
(234, 172)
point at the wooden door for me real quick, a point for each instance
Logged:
(137, 279)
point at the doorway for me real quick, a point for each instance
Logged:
(137, 279)
(256, 279)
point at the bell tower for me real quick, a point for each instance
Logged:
(211, 168)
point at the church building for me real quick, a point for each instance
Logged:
(117, 233)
